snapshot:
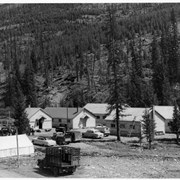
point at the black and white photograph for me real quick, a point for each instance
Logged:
(90, 90)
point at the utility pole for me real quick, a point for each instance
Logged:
(8, 120)
(17, 146)
(67, 116)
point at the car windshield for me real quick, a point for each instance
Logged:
(44, 138)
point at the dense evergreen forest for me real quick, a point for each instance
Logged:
(58, 54)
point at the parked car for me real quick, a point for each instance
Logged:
(159, 133)
(105, 130)
(47, 130)
(92, 133)
(43, 141)
(4, 131)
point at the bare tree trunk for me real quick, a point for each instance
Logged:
(117, 123)
(177, 138)
(88, 76)
(150, 144)
(77, 69)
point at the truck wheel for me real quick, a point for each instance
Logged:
(71, 170)
(55, 171)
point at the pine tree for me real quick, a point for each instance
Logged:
(173, 60)
(160, 78)
(47, 66)
(115, 99)
(164, 47)
(136, 94)
(156, 54)
(167, 93)
(76, 95)
(148, 127)
(28, 84)
(175, 124)
(9, 91)
(21, 120)
(149, 97)
(34, 61)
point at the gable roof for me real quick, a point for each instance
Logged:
(61, 112)
(89, 112)
(128, 114)
(31, 111)
(165, 111)
(97, 108)
(85, 110)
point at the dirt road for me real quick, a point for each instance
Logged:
(6, 173)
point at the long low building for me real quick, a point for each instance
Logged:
(129, 121)
(70, 117)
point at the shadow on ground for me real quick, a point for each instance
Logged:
(48, 173)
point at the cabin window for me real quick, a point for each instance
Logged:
(113, 125)
(104, 117)
(59, 120)
(132, 126)
(98, 117)
(37, 122)
(122, 126)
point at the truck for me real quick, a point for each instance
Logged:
(60, 160)
(63, 138)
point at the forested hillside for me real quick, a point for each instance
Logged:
(58, 54)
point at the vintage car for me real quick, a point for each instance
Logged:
(43, 141)
(105, 130)
(92, 133)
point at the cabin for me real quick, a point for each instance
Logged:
(38, 118)
(100, 110)
(62, 116)
(162, 115)
(84, 119)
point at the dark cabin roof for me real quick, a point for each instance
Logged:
(61, 112)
